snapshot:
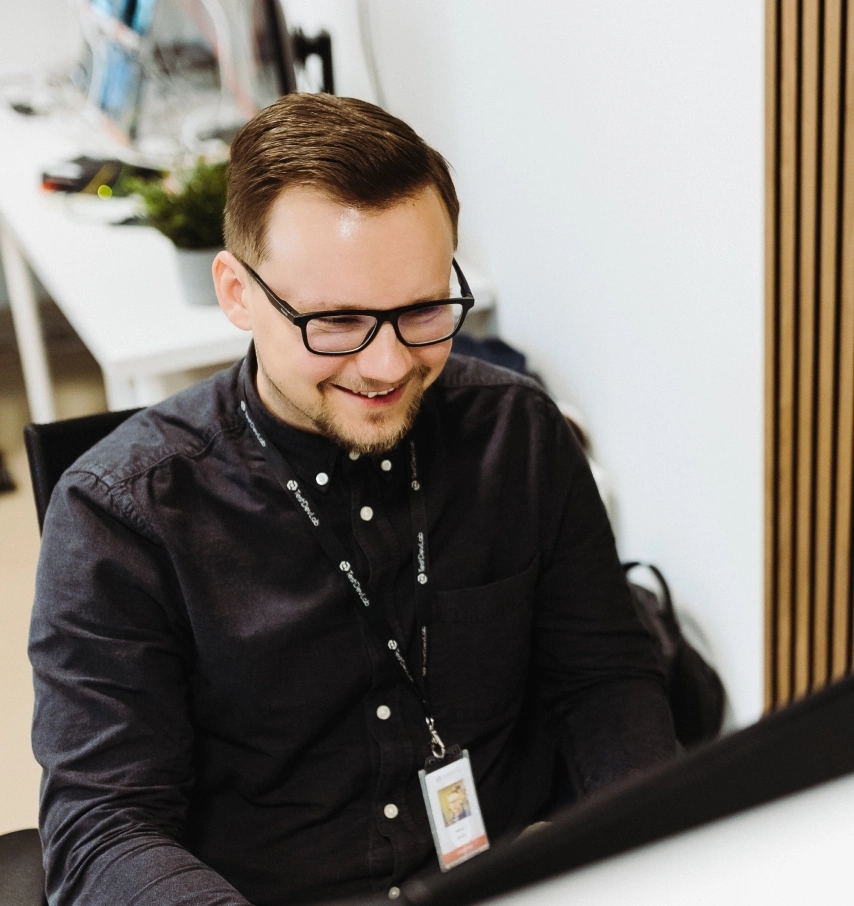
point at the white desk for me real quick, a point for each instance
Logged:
(117, 285)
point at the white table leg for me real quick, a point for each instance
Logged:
(28, 333)
(130, 391)
(121, 392)
(152, 388)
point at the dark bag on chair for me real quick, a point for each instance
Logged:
(694, 689)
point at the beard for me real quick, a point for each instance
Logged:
(379, 432)
(373, 435)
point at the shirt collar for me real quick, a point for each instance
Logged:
(309, 455)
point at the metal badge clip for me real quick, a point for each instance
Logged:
(436, 744)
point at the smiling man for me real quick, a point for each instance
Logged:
(329, 257)
(279, 613)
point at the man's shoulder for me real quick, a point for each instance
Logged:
(185, 425)
(470, 387)
(467, 372)
(473, 400)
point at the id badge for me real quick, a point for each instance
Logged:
(453, 809)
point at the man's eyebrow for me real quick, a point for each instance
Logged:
(310, 307)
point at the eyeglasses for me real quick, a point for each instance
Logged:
(345, 331)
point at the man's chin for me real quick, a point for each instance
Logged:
(371, 437)
(371, 434)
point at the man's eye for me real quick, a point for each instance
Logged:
(427, 314)
(341, 323)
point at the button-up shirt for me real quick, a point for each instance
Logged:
(217, 722)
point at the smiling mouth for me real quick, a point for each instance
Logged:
(373, 394)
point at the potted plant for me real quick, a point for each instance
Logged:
(187, 207)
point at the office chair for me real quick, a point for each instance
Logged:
(21, 872)
(53, 447)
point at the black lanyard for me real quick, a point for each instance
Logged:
(336, 553)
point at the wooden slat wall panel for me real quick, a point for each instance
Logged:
(828, 328)
(772, 104)
(805, 332)
(787, 178)
(809, 461)
(842, 560)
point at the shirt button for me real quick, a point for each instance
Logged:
(390, 811)
(385, 465)
(354, 455)
(393, 893)
(366, 513)
(383, 712)
(321, 478)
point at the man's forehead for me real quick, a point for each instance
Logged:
(298, 204)
(320, 249)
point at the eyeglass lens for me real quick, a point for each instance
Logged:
(342, 333)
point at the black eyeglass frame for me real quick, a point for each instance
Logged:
(391, 315)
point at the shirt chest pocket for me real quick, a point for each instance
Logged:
(480, 642)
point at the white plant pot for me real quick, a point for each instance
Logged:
(194, 271)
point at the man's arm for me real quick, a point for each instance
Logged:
(595, 662)
(112, 728)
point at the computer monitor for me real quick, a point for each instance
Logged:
(800, 747)
(181, 73)
(114, 31)
(135, 14)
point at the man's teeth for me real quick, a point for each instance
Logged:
(371, 394)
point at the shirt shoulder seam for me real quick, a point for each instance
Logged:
(115, 488)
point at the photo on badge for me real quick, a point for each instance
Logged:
(454, 811)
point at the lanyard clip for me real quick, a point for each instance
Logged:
(436, 744)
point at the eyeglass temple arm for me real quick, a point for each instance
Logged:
(465, 289)
(283, 306)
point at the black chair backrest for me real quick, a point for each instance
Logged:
(21, 872)
(53, 447)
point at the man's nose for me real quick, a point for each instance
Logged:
(385, 358)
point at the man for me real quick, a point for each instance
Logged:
(263, 603)
(457, 805)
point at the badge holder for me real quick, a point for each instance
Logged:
(452, 807)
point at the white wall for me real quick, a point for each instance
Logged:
(609, 160)
(37, 36)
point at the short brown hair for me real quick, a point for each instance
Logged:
(351, 151)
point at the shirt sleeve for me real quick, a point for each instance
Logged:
(112, 727)
(595, 663)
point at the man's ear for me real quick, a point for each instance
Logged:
(229, 277)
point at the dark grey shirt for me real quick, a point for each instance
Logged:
(216, 722)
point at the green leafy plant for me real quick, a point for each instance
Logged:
(187, 208)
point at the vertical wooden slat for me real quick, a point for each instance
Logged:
(771, 217)
(828, 365)
(806, 340)
(809, 465)
(842, 556)
(786, 352)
